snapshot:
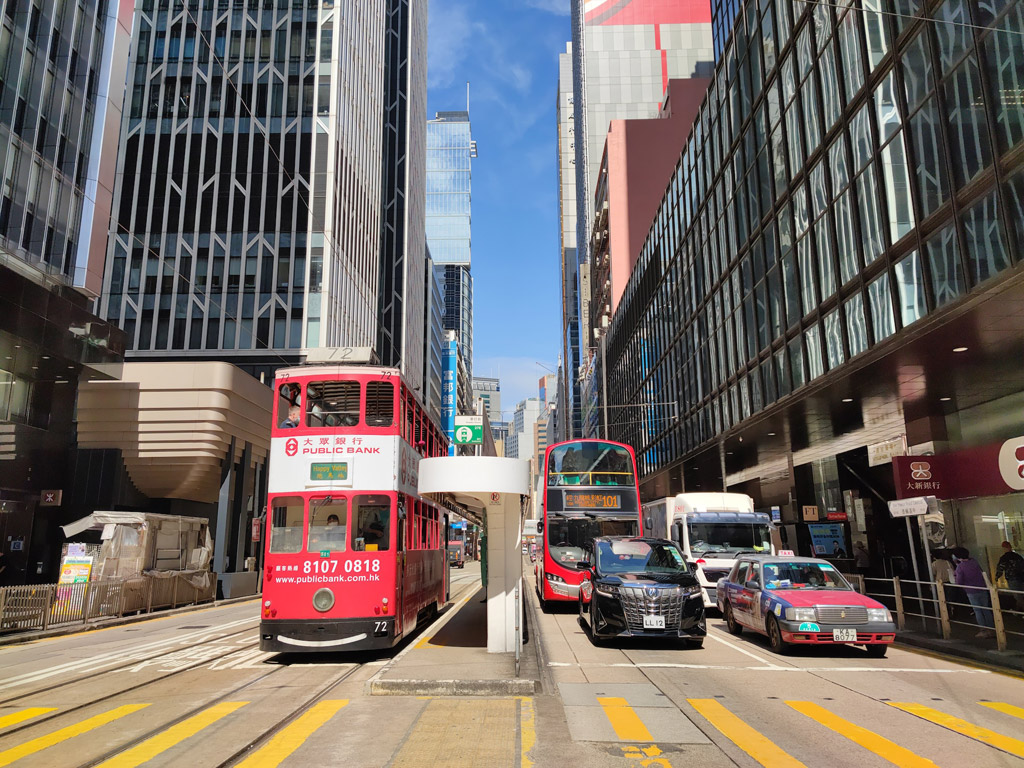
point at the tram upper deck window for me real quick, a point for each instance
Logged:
(332, 404)
(589, 464)
(380, 404)
(371, 523)
(286, 524)
(289, 406)
(328, 523)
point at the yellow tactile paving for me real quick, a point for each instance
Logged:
(168, 738)
(455, 733)
(22, 715)
(627, 724)
(871, 741)
(997, 740)
(528, 731)
(43, 742)
(759, 747)
(293, 735)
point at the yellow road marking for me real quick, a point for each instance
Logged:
(871, 741)
(527, 731)
(425, 642)
(627, 724)
(25, 714)
(36, 745)
(291, 738)
(743, 736)
(164, 740)
(970, 730)
(1006, 709)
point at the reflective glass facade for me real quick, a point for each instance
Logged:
(263, 198)
(623, 54)
(450, 149)
(852, 171)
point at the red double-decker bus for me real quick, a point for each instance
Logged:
(590, 490)
(354, 557)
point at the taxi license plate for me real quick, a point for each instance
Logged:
(654, 622)
(844, 635)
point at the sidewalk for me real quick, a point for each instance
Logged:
(452, 660)
(17, 638)
(964, 648)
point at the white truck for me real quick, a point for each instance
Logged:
(712, 530)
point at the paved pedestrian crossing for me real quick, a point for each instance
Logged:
(274, 752)
(635, 715)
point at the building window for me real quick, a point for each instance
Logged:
(880, 302)
(910, 286)
(944, 262)
(984, 242)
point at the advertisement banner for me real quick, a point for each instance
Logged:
(827, 539)
(448, 386)
(75, 570)
(990, 470)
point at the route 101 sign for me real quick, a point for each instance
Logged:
(469, 430)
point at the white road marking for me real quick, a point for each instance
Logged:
(107, 659)
(744, 651)
(671, 665)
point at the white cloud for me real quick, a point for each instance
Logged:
(519, 378)
(451, 34)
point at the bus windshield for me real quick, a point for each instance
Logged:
(590, 463)
(732, 537)
(568, 536)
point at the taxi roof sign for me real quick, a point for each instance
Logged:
(786, 553)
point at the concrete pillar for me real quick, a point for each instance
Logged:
(220, 541)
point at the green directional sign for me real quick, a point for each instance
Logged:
(469, 434)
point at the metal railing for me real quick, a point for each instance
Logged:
(945, 609)
(42, 606)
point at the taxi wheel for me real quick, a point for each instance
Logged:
(730, 621)
(876, 651)
(775, 636)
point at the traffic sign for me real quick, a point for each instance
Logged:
(469, 430)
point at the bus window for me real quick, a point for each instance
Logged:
(332, 404)
(371, 523)
(286, 525)
(289, 409)
(380, 404)
(328, 521)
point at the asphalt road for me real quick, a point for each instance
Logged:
(193, 689)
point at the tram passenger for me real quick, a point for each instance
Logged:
(294, 415)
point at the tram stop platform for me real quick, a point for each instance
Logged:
(451, 658)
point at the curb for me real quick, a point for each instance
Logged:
(30, 637)
(514, 687)
(939, 648)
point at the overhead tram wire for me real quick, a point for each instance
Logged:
(910, 16)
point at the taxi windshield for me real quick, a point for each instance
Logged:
(803, 575)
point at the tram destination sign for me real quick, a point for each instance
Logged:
(337, 470)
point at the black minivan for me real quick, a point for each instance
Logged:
(640, 587)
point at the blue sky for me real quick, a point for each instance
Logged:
(508, 51)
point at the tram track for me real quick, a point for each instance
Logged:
(121, 692)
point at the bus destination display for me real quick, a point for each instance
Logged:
(329, 471)
(590, 500)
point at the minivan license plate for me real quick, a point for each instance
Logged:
(654, 622)
(844, 635)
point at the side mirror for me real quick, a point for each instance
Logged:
(583, 565)
(753, 585)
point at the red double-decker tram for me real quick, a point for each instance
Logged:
(354, 557)
(590, 490)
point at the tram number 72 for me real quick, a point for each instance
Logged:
(331, 566)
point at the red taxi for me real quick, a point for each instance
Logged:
(801, 600)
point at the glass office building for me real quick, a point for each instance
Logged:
(837, 261)
(62, 67)
(450, 150)
(267, 183)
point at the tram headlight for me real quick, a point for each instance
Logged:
(323, 599)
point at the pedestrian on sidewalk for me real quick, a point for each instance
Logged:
(969, 575)
(861, 558)
(1011, 567)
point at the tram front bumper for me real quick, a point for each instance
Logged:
(330, 635)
